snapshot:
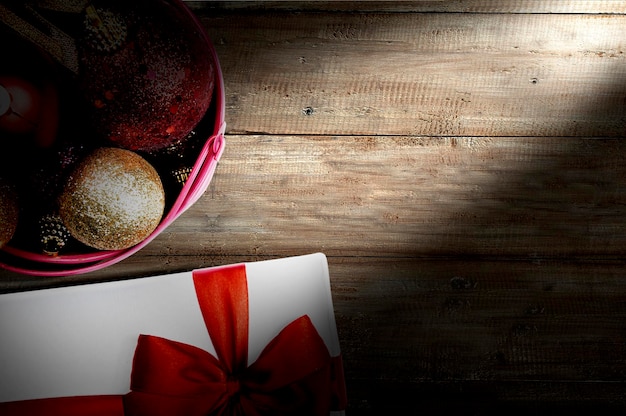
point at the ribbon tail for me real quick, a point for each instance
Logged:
(105, 405)
(173, 378)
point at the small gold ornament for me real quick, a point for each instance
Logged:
(53, 235)
(9, 211)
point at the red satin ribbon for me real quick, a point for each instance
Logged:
(294, 375)
(66, 406)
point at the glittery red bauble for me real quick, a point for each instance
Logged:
(113, 200)
(147, 71)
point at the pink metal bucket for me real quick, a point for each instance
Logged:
(38, 264)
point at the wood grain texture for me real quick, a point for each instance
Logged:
(461, 164)
(423, 74)
(412, 196)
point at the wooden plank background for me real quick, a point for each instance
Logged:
(461, 164)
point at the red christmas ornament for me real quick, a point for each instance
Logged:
(28, 110)
(20, 105)
(146, 72)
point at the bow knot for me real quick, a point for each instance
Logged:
(233, 387)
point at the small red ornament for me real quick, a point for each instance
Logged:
(28, 110)
(20, 105)
(29, 97)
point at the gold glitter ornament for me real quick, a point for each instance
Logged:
(113, 200)
(9, 211)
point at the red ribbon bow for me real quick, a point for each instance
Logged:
(294, 375)
(291, 376)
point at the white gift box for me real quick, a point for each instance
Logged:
(80, 340)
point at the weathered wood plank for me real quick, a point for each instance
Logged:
(423, 74)
(422, 6)
(508, 335)
(410, 196)
(442, 320)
